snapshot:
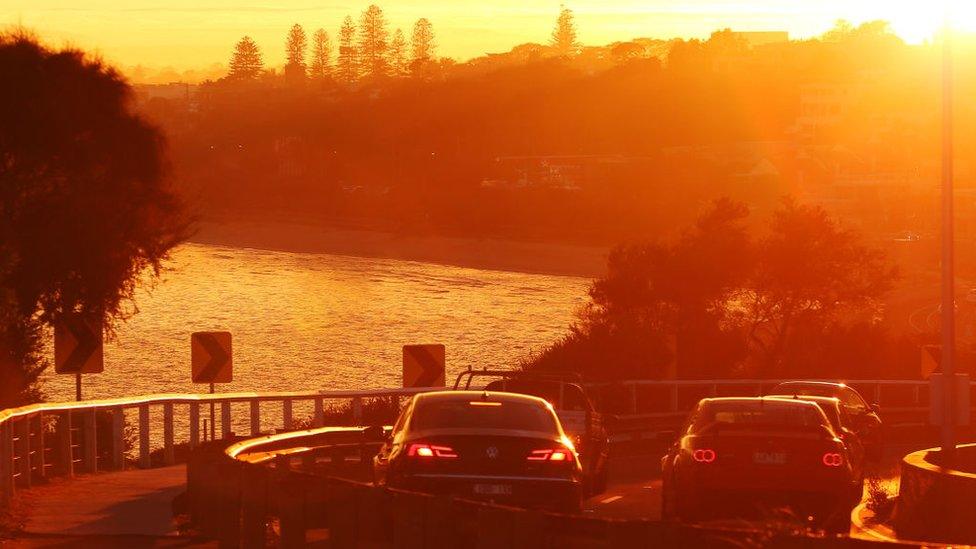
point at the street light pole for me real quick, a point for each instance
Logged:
(948, 282)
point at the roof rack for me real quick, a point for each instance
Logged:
(470, 373)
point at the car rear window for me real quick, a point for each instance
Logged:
(573, 397)
(829, 409)
(463, 414)
(750, 416)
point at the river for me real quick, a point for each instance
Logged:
(321, 322)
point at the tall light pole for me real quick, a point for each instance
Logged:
(948, 271)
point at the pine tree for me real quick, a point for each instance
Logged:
(295, 52)
(347, 64)
(398, 54)
(372, 42)
(245, 63)
(564, 35)
(321, 54)
(422, 41)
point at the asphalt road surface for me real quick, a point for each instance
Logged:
(634, 490)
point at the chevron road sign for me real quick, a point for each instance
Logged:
(210, 357)
(423, 365)
(78, 345)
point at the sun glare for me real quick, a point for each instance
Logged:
(920, 21)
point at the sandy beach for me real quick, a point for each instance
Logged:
(478, 253)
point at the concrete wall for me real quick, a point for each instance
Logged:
(935, 503)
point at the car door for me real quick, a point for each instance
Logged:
(866, 422)
(381, 461)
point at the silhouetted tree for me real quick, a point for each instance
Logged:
(655, 291)
(564, 35)
(85, 210)
(812, 276)
(735, 305)
(321, 55)
(373, 42)
(398, 54)
(295, 53)
(422, 42)
(347, 65)
(246, 64)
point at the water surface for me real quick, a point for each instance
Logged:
(321, 322)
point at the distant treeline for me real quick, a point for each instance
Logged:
(562, 140)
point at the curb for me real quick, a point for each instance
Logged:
(860, 528)
(860, 517)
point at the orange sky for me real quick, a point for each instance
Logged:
(197, 33)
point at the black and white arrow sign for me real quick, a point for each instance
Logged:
(78, 345)
(211, 357)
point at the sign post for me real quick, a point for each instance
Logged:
(423, 365)
(211, 361)
(78, 347)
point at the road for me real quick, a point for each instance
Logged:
(634, 490)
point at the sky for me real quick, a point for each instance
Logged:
(191, 34)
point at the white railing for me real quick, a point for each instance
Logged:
(644, 396)
(62, 439)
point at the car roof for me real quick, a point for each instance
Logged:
(811, 398)
(825, 384)
(759, 401)
(487, 396)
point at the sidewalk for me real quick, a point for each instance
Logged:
(127, 508)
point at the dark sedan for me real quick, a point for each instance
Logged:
(502, 447)
(864, 418)
(756, 456)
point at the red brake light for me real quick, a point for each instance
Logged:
(554, 454)
(704, 455)
(833, 459)
(431, 451)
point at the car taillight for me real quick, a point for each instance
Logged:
(704, 455)
(431, 451)
(549, 454)
(832, 459)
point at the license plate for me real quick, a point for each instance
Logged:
(769, 458)
(493, 489)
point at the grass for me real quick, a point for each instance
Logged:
(881, 499)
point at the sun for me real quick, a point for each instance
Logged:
(920, 21)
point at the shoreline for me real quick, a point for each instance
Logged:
(475, 253)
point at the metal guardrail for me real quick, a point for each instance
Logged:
(235, 493)
(62, 439)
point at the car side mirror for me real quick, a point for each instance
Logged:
(876, 408)
(375, 433)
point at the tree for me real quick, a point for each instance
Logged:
(321, 55)
(655, 291)
(422, 41)
(348, 62)
(564, 35)
(735, 305)
(373, 42)
(85, 208)
(398, 54)
(295, 53)
(245, 63)
(811, 276)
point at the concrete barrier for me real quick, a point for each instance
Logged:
(935, 503)
(236, 491)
